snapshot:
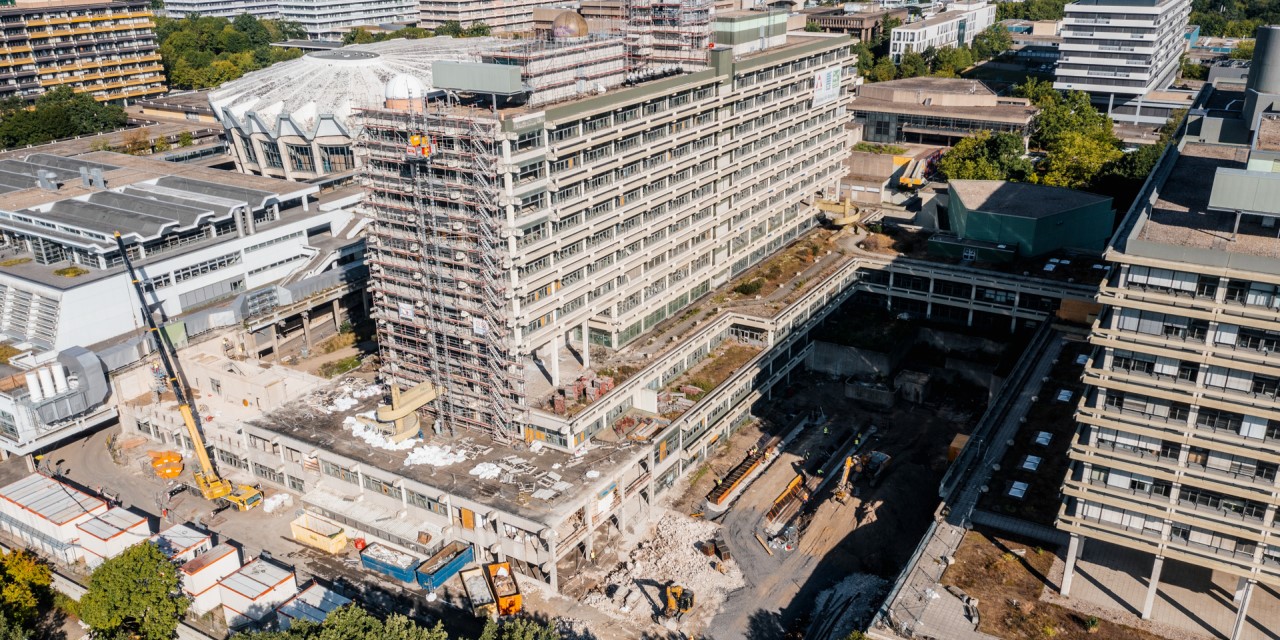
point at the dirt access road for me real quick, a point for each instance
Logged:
(782, 587)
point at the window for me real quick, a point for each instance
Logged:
(340, 472)
(272, 154)
(296, 484)
(381, 486)
(250, 156)
(337, 159)
(300, 158)
(418, 500)
(207, 266)
(267, 473)
(215, 386)
(274, 241)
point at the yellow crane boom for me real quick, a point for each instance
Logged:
(212, 486)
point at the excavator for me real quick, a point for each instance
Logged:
(678, 601)
(854, 463)
(208, 483)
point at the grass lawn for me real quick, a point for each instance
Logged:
(1007, 577)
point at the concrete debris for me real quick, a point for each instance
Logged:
(847, 606)
(360, 428)
(593, 474)
(434, 455)
(346, 396)
(278, 501)
(633, 590)
(486, 471)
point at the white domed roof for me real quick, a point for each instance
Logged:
(405, 87)
(309, 95)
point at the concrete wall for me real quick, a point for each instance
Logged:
(851, 361)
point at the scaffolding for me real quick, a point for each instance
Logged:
(668, 34)
(565, 69)
(440, 271)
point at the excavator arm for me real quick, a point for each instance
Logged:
(208, 482)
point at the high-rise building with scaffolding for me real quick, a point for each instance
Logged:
(553, 199)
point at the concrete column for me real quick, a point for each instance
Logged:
(337, 314)
(1073, 551)
(586, 345)
(306, 331)
(1241, 585)
(275, 341)
(31, 462)
(1152, 587)
(553, 360)
(1242, 616)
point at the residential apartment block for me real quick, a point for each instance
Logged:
(107, 49)
(322, 19)
(1119, 50)
(955, 27)
(1178, 444)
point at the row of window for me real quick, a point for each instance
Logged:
(333, 158)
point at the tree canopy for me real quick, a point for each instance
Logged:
(58, 113)
(24, 590)
(136, 595)
(354, 623)
(1233, 18)
(201, 52)
(986, 156)
(1031, 10)
(992, 42)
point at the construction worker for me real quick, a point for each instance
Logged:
(819, 472)
(717, 482)
(826, 430)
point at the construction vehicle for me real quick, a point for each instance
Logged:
(852, 463)
(506, 590)
(208, 483)
(677, 600)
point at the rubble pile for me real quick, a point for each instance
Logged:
(672, 554)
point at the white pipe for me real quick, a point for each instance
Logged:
(59, 377)
(46, 383)
(33, 387)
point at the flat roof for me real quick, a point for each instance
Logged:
(938, 85)
(314, 604)
(1002, 113)
(178, 539)
(1021, 199)
(1269, 133)
(49, 499)
(255, 579)
(204, 560)
(112, 523)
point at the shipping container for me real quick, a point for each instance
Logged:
(479, 593)
(388, 561)
(200, 577)
(109, 534)
(437, 570)
(254, 591)
(505, 588)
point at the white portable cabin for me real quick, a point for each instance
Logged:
(43, 514)
(200, 576)
(108, 535)
(182, 543)
(313, 604)
(254, 591)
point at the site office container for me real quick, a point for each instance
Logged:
(476, 583)
(108, 535)
(320, 534)
(182, 543)
(43, 513)
(388, 561)
(313, 604)
(254, 591)
(437, 570)
(200, 577)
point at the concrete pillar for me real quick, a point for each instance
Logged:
(1241, 585)
(275, 341)
(1242, 615)
(31, 462)
(306, 331)
(1073, 551)
(586, 345)
(553, 360)
(337, 314)
(1152, 587)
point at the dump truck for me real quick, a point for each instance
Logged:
(388, 561)
(476, 584)
(445, 564)
(505, 588)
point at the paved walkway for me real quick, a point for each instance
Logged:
(1193, 600)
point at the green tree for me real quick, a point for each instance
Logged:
(200, 52)
(450, 28)
(866, 59)
(812, 27)
(986, 156)
(1070, 112)
(1243, 51)
(1075, 158)
(992, 42)
(1039, 92)
(185, 139)
(913, 65)
(883, 70)
(476, 30)
(58, 113)
(519, 629)
(161, 145)
(24, 588)
(359, 35)
(136, 595)
(950, 61)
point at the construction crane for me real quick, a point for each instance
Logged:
(210, 485)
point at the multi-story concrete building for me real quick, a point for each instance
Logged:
(937, 111)
(955, 27)
(1178, 443)
(106, 49)
(588, 221)
(261, 9)
(862, 21)
(331, 19)
(1120, 50)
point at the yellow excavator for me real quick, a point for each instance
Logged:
(209, 484)
(678, 601)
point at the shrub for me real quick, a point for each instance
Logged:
(749, 288)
